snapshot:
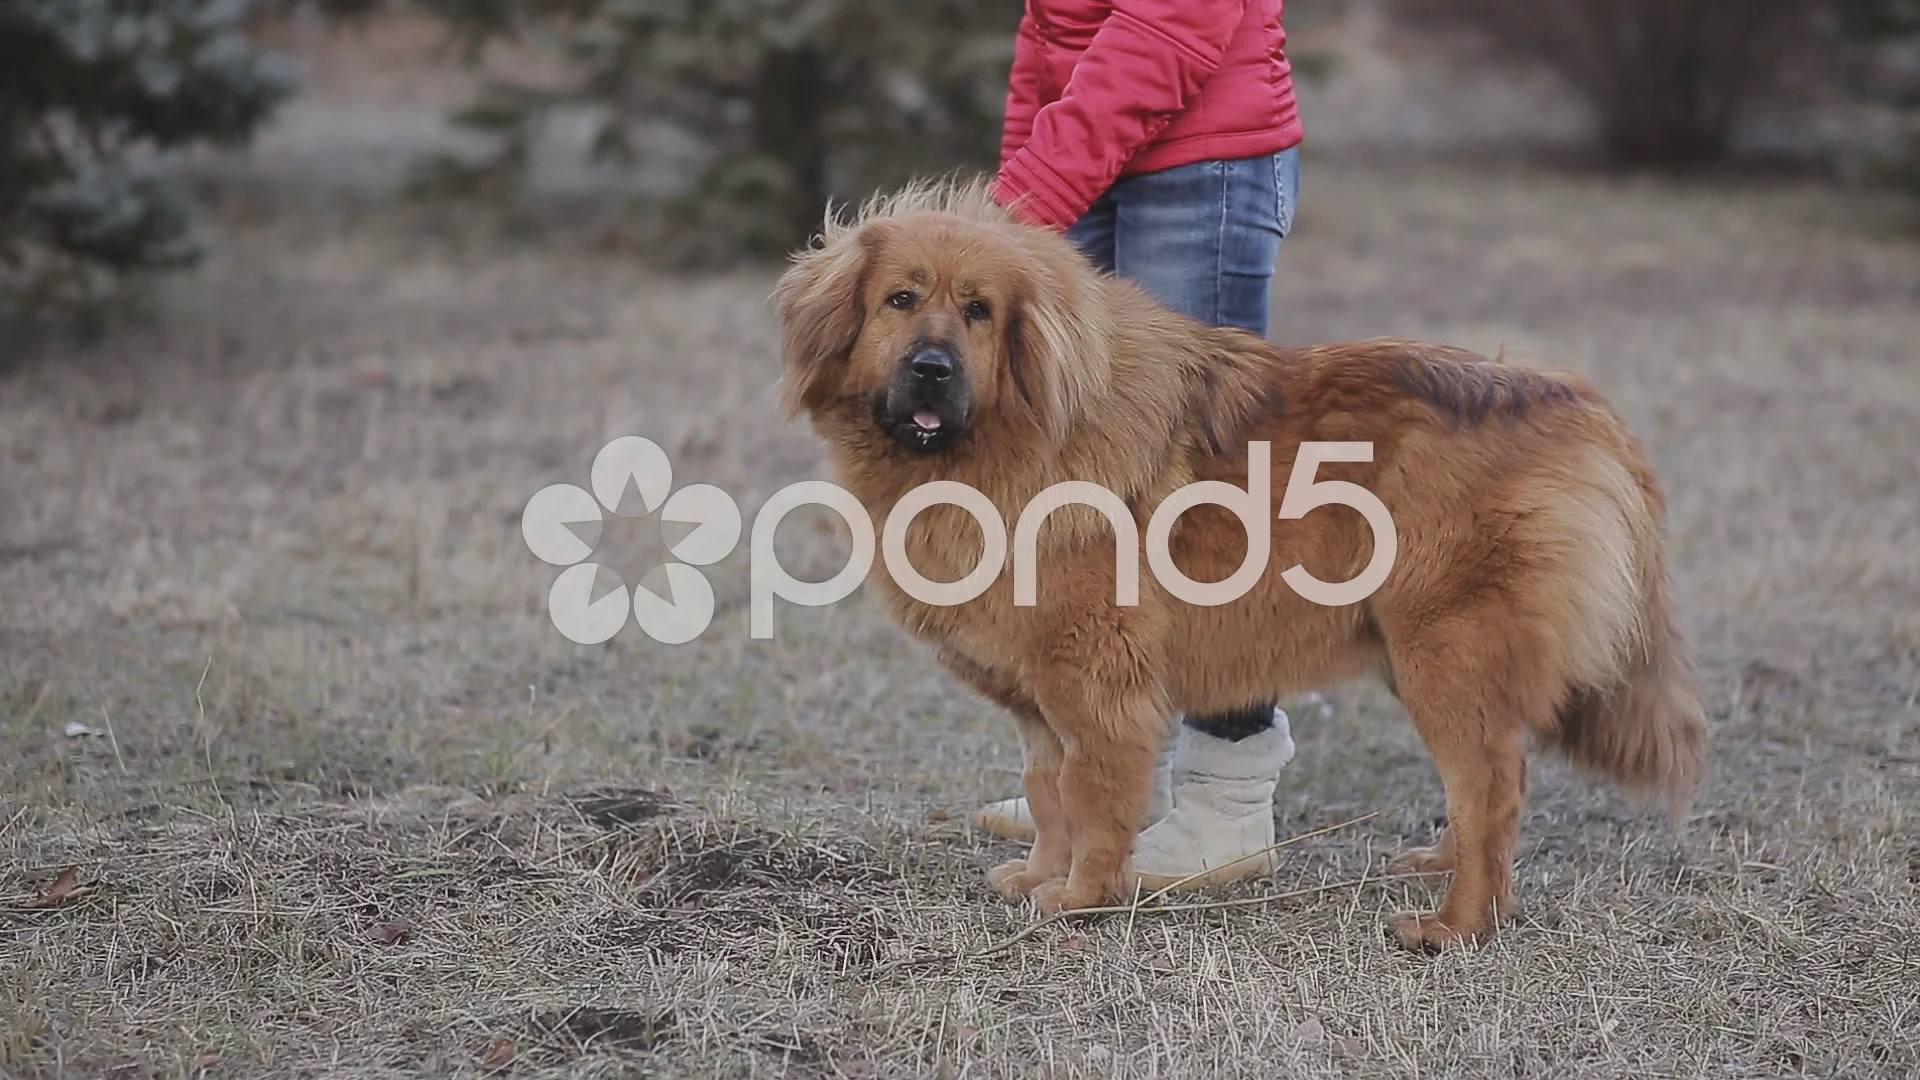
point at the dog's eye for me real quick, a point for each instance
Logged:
(977, 310)
(902, 300)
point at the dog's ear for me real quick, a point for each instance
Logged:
(820, 302)
(1056, 350)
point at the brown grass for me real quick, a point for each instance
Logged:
(355, 810)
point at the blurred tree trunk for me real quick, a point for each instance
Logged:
(1667, 80)
(1674, 75)
(790, 101)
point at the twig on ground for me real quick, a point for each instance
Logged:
(112, 739)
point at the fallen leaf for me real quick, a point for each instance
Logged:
(397, 932)
(1075, 943)
(373, 378)
(1349, 1046)
(1310, 1031)
(1161, 961)
(207, 1061)
(939, 815)
(500, 1050)
(64, 888)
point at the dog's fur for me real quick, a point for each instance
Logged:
(1529, 594)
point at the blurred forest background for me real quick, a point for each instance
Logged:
(725, 126)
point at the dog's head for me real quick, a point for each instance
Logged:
(933, 315)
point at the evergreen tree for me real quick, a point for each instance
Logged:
(798, 102)
(94, 97)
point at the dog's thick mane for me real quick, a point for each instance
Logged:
(969, 198)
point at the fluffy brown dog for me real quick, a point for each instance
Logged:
(933, 339)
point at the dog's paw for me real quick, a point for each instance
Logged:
(1438, 859)
(1061, 894)
(1015, 880)
(1423, 932)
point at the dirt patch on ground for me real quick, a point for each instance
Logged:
(612, 809)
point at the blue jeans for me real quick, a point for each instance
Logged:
(1201, 238)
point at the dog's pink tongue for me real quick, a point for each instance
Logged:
(927, 419)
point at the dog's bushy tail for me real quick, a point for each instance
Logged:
(1645, 728)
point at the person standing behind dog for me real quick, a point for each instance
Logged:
(1162, 137)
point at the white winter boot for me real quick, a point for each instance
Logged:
(1222, 819)
(1011, 819)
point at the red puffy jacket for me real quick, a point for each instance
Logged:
(1108, 88)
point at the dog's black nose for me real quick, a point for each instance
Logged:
(930, 362)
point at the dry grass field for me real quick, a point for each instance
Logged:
(276, 678)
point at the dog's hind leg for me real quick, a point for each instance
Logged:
(1482, 763)
(1469, 692)
(1437, 859)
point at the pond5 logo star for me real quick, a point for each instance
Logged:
(631, 478)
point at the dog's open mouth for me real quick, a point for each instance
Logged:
(928, 427)
(925, 430)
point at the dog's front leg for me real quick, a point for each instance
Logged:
(1110, 737)
(1051, 855)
